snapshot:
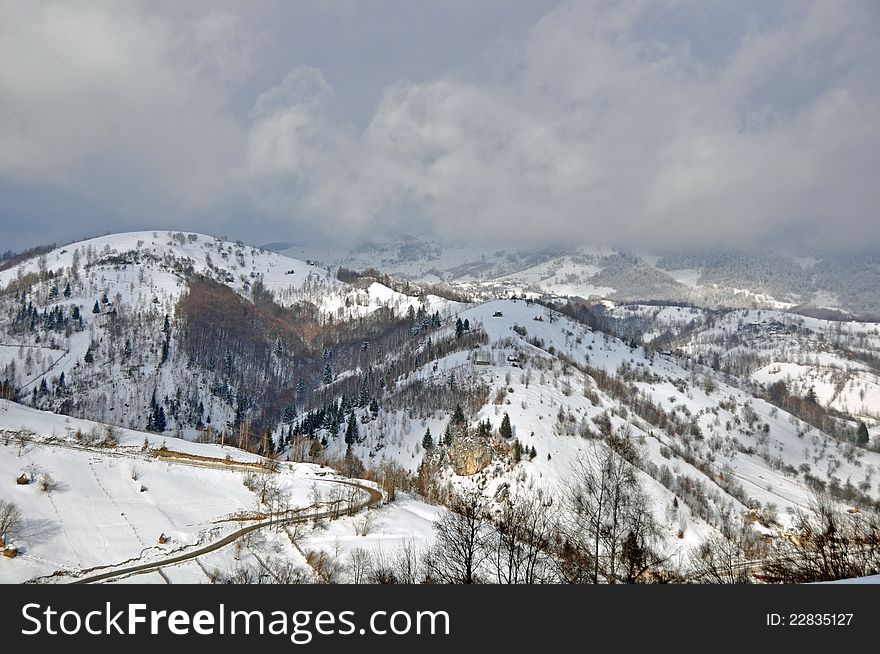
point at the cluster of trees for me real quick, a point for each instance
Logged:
(10, 259)
(156, 419)
(600, 529)
(28, 319)
(810, 410)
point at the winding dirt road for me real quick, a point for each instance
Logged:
(374, 497)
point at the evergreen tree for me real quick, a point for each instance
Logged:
(289, 415)
(279, 347)
(67, 290)
(351, 431)
(126, 350)
(448, 435)
(811, 396)
(96, 308)
(458, 415)
(466, 325)
(505, 429)
(459, 328)
(89, 357)
(300, 391)
(374, 407)
(862, 436)
(427, 441)
(328, 374)
(159, 422)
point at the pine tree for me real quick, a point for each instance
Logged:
(862, 436)
(328, 374)
(89, 357)
(351, 431)
(458, 415)
(300, 391)
(96, 308)
(126, 350)
(505, 429)
(374, 407)
(811, 396)
(279, 347)
(459, 328)
(289, 415)
(448, 435)
(427, 441)
(67, 290)
(466, 325)
(159, 422)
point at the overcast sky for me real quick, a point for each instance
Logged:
(671, 122)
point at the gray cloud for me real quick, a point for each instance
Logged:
(650, 124)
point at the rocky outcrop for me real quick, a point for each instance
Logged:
(466, 456)
(469, 455)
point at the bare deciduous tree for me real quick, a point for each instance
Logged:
(723, 558)
(831, 544)
(462, 539)
(522, 540)
(607, 529)
(10, 518)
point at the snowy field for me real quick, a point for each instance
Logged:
(107, 506)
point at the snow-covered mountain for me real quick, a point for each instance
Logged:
(227, 352)
(94, 328)
(764, 279)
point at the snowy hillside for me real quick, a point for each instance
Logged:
(94, 328)
(778, 280)
(728, 423)
(93, 505)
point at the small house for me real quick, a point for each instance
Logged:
(163, 539)
(23, 480)
(10, 552)
(512, 360)
(497, 314)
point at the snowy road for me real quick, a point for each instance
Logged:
(374, 497)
